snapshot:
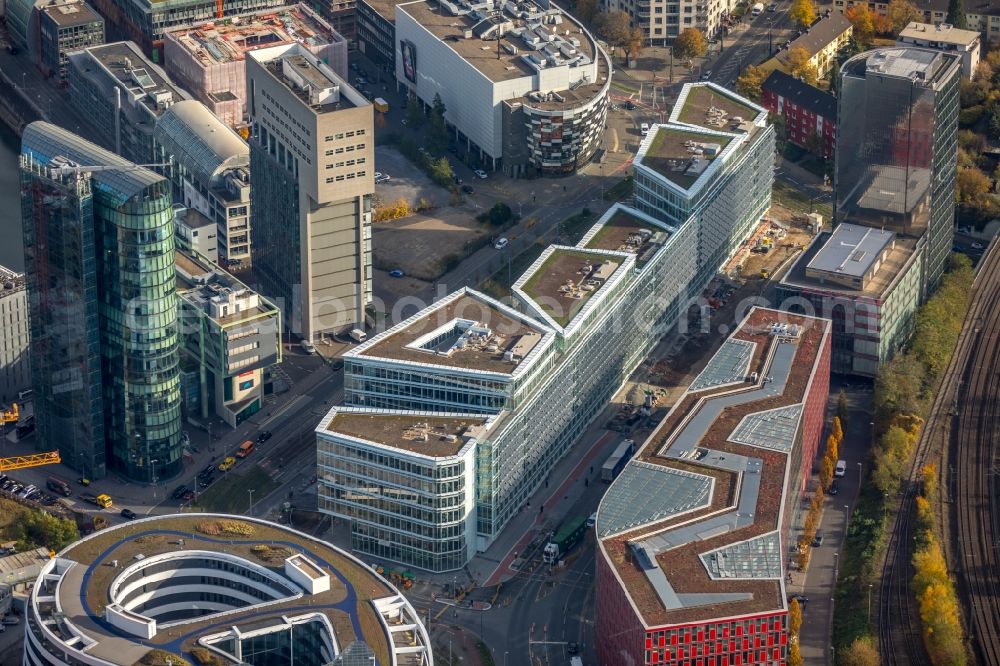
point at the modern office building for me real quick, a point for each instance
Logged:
(947, 38)
(712, 167)
(982, 16)
(145, 21)
(694, 533)
(822, 41)
(490, 398)
(64, 26)
(99, 258)
(525, 85)
(207, 58)
(195, 233)
(312, 163)
(867, 281)
(231, 334)
(241, 590)
(122, 93)
(376, 28)
(810, 113)
(15, 367)
(897, 148)
(210, 170)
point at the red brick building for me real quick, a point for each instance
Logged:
(807, 110)
(694, 534)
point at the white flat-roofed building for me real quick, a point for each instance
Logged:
(711, 166)
(208, 58)
(586, 317)
(945, 37)
(525, 86)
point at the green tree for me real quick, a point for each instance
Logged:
(901, 13)
(586, 10)
(614, 27)
(780, 132)
(994, 122)
(834, 77)
(441, 172)
(437, 129)
(41, 529)
(862, 652)
(414, 112)
(690, 44)
(899, 386)
(956, 13)
(803, 12)
(749, 82)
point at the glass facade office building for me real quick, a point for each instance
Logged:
(99, 255)
(896, 147)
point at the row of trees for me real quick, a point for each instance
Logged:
(614, 27)
(979, 119)
(815, 512)
(33, 528)
(934, 589)
(794, 627)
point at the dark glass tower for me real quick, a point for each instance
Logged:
(99, 257)
(896, 153)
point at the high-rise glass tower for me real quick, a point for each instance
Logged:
(896, 147)
(99, 257)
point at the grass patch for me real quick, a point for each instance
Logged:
(786, 195)
(231, 493)
(485, 656)
(619, 190)
(701, 98)
(622, 86)
(157, 657)
(373, 633)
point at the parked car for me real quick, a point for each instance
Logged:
(500, 243)
(817, 540)
(11, 620)
(977, 246)
(480, 174)
(263, 436)
(209, 469)
(188, 496)
(629, 106)
(128, 514)
(227, 464)
(205, 481)
(705, 76)
(801, 598)
(841, 470)
(773, 7)
(834, 488)
(467, 189)
(396, 273)
(179, 491)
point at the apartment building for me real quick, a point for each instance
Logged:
(947, 38)
(210, 171)
(312, 168)
(982, 16)
(823, 40)
(64, 26)
(664, 20)
(810, 113)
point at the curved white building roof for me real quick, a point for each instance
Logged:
(200, 141)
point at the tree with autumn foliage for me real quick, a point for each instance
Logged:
(690, 44)
(803, 12)
(748, 83)
(826, 472)
(862, 652)
(794, 617)
(837, 429)
(799, 65)
(864, 25)
(901, 13)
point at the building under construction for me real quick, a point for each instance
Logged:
(208, 58)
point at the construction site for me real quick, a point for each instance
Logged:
(207, 58)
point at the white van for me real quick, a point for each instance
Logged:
(644, 128)
(358, 335)
(757, 10)
(841, 469)
(308, 347)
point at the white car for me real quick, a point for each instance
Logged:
(977, 246)
(480, 173)
(382, 178)
(644, 128)
(501, 243)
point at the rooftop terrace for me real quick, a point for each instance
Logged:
(626, 230)
(701, 103)
(131, 70)
(228, 40)
(681, 155)
(672, 549)
(428, 435)
(566, 279)
(465, 330)
(216, 292)
(86, 570)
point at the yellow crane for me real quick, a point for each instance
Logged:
(10, 415)
(34, 460)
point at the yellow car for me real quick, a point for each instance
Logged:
(227, 464)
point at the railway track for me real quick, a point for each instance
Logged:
(900, 639)
(975, 511)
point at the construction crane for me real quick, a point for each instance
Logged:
(218, 9)
(34, 460)
(65, 167)
(12, 415)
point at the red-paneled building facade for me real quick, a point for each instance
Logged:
(810, 114)
(640, 621)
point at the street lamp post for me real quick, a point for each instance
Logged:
(870, 603)
(505, 657)
(250, 511)
(153, 466)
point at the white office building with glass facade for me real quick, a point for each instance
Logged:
(457, 414)
(711, 166)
